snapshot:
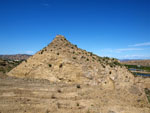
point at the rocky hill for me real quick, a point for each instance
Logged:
(62, 78)
(15, 57)
(62, 61)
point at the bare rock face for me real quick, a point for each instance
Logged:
(62, 61)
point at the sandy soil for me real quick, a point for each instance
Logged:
(41, 96)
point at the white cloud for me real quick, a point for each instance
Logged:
(128, 49)
(121, 50)
(141, 44)
(136, 57)
(29, 52)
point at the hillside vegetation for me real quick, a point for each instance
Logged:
(7, 65)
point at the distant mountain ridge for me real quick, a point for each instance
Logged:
(15, 57)
(124, 60)
(137, 62)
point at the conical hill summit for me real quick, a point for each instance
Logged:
(62, 61)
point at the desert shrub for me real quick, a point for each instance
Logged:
(42, 51)
(117, 63)
(61, 65)
(103, 59)
(74, 58)
(78, 86)
(87, 59)
(93, 58)
(76, 46)
(53, 96)
(106, 61)
(103, 66)
(111, 65)
(59, 91)
(50, 65)
(78, 104)
(57, 53)
(110, 72)
(114, 59)
(82, 57)
(106, 58)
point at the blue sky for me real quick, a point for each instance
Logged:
(114, 28)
